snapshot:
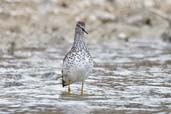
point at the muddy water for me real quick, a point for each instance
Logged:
(133, 77)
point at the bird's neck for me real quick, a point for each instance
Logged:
(79, 43)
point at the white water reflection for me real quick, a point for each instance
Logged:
(130, 78)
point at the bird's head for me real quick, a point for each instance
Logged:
(80, 26)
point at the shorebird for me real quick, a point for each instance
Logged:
(11, 50)
(77, 63)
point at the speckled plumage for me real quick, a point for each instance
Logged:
(77, 63)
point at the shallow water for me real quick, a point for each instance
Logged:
(128, 77)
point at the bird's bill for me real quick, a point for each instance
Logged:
(84, 30)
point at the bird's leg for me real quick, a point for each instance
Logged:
(82, 91)
(69, 90)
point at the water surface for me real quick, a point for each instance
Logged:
(128, 77)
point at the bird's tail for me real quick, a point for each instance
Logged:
(63, 81)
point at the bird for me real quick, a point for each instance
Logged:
(77, 63)
(11, 50)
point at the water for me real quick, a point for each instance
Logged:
(132, 77)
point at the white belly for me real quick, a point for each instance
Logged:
(78, 73)
(77, 68)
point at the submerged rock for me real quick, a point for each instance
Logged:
(166, 36)
(12, 84)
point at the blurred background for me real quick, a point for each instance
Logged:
(129, 41)
(41, 22)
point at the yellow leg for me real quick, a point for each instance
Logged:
(82, 91)
(69, 90)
